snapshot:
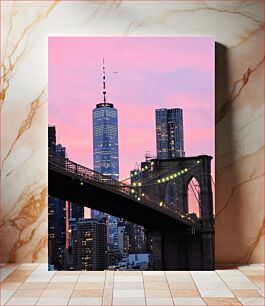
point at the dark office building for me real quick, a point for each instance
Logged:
(87, 245)
(131, 238)
(51, 140)
(169, 133)
(76, 211)
(56, 232)
(56, 213)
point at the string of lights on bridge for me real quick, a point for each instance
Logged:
(164, 179)
(138, 195)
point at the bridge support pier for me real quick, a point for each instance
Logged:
(187, 251)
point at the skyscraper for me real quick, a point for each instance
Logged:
(87, 245)
(169, 133)
(105, 151)
(56, 212)
(105, 136)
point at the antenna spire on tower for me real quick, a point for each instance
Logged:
(104, 82)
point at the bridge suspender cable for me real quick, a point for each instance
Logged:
(212, 180)
(194, 191)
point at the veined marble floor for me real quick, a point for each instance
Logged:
(32, 284)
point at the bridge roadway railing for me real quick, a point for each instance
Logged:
(68, 167)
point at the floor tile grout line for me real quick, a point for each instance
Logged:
(145, 298)
(169, 289)
(74, 288)
(104, 288)
(203, 298)
(231, 289)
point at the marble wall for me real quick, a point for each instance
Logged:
(238, 27)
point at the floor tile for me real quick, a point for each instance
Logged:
(87, 293)
(253, 272)
(156, 285)
(30, 284)
(131, 301)
(188, 301)
(95, 272)
(218, 301)
(211, 285)
(28, 266)
(153, 273)
(34, 286)
(155, 278)
(64, 278)
(53, 301)
(177, 273)
(251, 267)
(60, 286)
(16, 278)
(6, 293)
(91, 278)
(157, 293)
(256, 278)
(56, 293)
(246, 293)
(261, 292)
(5, 272)
(107, 297)
(182, 293)
(28, 293)
(128, 293)
(216, 293)
(235, 279)
(159, 301)
(182, 286)
(251, 301)
(89, 285)
(179, 278)
(22, 301)
(69, 273)
(39, 278)
(3, 300)
(9, 285)
(260, 285)
(128, 279)
(129, 273)
(232, 272)
(130, 286)
(241, 285)
(203, 273)
(85, 301)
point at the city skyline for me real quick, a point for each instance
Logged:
(75, 87)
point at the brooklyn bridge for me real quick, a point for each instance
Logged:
(186, 241)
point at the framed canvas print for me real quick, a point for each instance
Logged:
(131, 153)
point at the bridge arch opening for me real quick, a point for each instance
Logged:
(194, 197)
(171, 195)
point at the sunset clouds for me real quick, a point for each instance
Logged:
(152, 72)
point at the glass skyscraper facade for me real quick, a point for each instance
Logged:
(106, 153)
(169, 133)
(105, 140)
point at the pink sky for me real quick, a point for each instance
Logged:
(152, 72)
